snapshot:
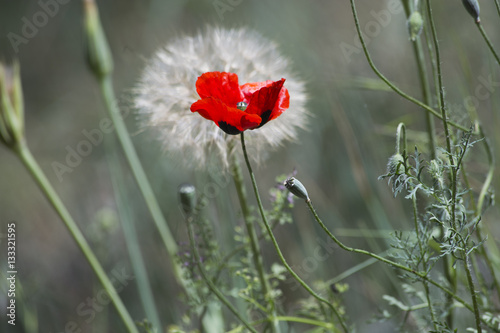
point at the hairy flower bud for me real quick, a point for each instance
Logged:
(472, 7)
(415, 25)
(297, 188)
(395, 165)
(436, 172)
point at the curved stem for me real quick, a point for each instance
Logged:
(387, 81)
(421, 275)
(213, 288)
(275, 243)
(401, 135)
(30, 163)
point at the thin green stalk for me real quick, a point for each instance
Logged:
(293, 319)
(488, 41)
(387, 81)
(449, 272)
(424, 261)
(444, 116)
(139, 174)
(275, 243)
(306, 321)
(132, 241)
(252, 235)
(479, 207)
(454, 167)
(497, 4)
(421, 275)
(424, 83)
(30, 163)
(213, 288)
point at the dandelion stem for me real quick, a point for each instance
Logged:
(275, 242)
(252, 235)
(387, 81)
(209, 282)
(140, 176)
(131, 237)
(36, 172)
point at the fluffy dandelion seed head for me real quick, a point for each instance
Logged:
(167, 88)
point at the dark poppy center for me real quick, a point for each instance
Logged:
(229, 129)
(265, 117)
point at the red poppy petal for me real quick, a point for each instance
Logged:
(268, 102)
(248, 89)
(230, 120)
(223, 86)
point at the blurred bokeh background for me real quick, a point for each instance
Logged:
(350, 137)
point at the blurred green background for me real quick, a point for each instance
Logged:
(350, 137)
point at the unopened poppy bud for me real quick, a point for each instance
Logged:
(472, 7)
(242, 106)
(296, 187)
(11, 105)
(187, 198)
(415, 25)
(436, 172)
(98, 52)
(395, 165)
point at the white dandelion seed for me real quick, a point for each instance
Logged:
(167, 89)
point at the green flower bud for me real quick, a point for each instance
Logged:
(11, 105)
(472, 7)
(436, 172)
(296, 188)
(98, 52)
(395, 165)
(415, 24)
(187, 198)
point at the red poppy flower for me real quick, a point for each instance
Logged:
(236, 108)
